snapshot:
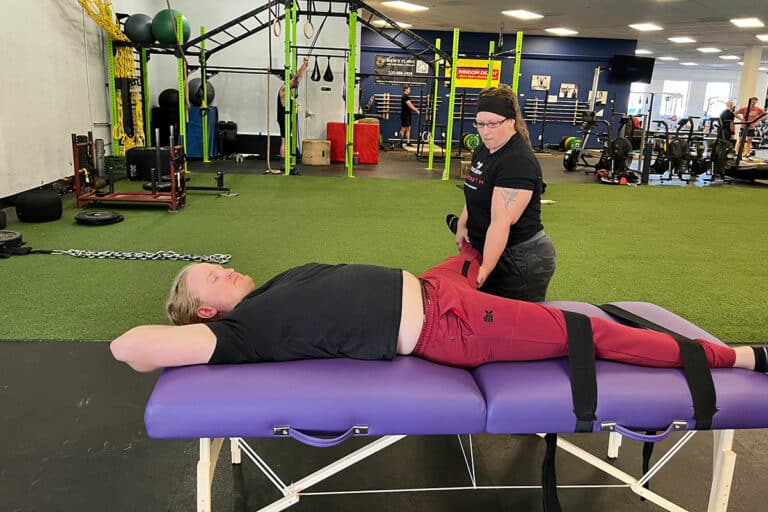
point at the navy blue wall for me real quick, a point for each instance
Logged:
(566, 60)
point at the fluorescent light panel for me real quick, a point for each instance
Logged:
(709, 49)
(747, 22)
(683, 39)
(640, 51)
(762, 69)
(668, 58)
(730, 57)
(522, 14)
(689, 63)
(762, 37)
(405, 6)
(645, 27)
(382, 23)
(561, 31)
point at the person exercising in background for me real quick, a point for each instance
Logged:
(751, 112)
(317, 311)
(726, 121)
(406, 107)
(294, 83)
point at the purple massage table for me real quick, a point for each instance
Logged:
(324, 402)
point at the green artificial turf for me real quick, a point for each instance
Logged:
(699, 252)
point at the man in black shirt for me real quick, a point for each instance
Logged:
(726, 121)
(406, 107)
(368, 312)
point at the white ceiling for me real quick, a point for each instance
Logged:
(706, 21)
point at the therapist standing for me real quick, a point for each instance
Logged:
(502, 211)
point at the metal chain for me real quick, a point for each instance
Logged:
(221, 259)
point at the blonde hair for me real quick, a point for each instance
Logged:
(181, 306)
(505, 92)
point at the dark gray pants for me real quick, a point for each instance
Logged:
(524, 270)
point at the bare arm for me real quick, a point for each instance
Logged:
(507, 205)
(410, 106)
(300, 73)
(462, 233)
(149, 347)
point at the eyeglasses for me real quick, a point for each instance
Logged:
(492, 125)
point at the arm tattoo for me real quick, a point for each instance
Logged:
(509, 197)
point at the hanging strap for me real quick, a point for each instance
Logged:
(550, 501)
(698, 374)
(581, 363)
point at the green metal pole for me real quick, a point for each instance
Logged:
(518, 58)
(294, 92)
(182, 94)
(204, 106)
(145, 98)
(489, 78)
(451, 100)
(431, 158)
(287, 84)
(350, 98)
(113, 95)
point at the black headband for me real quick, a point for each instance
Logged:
(496, 105)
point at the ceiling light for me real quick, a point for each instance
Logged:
(667, 58)
(643, 52)
(747, 22)
(741, 63)
(645, 27)
(382, 23)
(522, 14)
(405, 6)
(689, 63)
(762, 37)
(762, 69)
(709, 50)
(561, 31)
(730, 57)
(681, 40)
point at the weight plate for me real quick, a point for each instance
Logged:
(98, 218)
(10, 239)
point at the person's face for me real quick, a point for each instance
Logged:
(407, 90)
(219, 289)
(498, 132)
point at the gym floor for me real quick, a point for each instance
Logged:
(75, 439)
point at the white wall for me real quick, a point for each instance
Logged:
(54, 82)
(53, 85)
(244, 98)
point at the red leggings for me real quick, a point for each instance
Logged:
(466, 328)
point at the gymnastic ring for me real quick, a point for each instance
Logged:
(277, 28)
(308, 23)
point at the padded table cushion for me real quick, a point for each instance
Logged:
(406, 396)
(535, 396)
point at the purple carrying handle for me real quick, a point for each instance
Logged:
(320, 442)
(675, 426)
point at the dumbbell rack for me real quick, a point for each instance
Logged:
(175, 198)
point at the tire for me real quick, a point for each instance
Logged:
(10, 239)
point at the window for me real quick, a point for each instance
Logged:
(638, 98)
(717, 93)
(674, 99)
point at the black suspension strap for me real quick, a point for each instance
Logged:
(698, 374)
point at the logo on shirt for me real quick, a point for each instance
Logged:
(488, 318)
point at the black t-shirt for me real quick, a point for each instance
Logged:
(315, 311)
(512, 166)
(726, 118)
(405, 111)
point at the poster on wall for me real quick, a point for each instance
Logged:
(540, 82)
(395, 70)
(473, 73)
(569, 91)
(602, 97)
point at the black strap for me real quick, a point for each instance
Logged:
(698, 374)
(647, 452)
(581, 362)
(550, 501)
(465, 268)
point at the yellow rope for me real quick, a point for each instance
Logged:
(100, 12)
